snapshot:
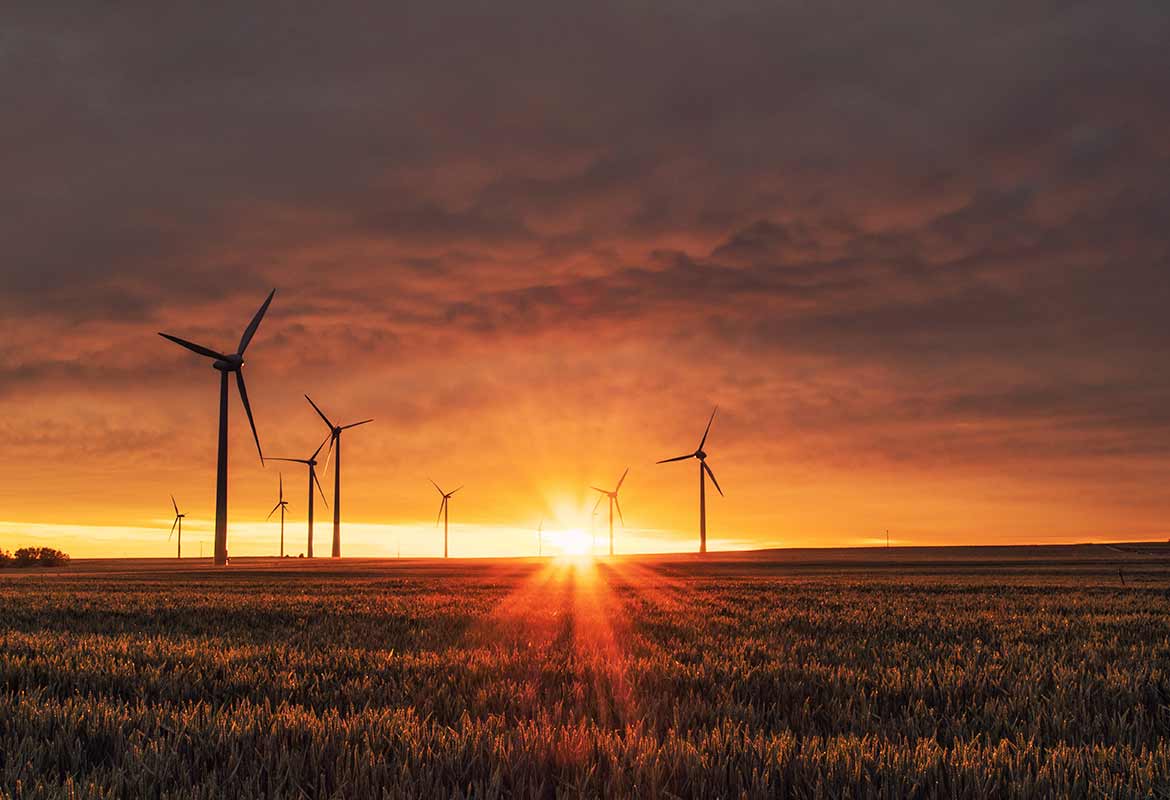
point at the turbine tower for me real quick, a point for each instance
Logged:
(613, 501)
(311, 463)
(704, 471)
(282, 504)
(540, 539)
(443, 508)
(178, 523)
(227, 364)
(335, 442)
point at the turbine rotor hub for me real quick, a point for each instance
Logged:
(230, 364)
(699, 454)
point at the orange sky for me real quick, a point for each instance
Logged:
(926, 286)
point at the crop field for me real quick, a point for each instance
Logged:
(977, 672)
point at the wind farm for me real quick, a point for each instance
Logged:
(910, 260)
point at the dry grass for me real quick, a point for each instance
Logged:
(743, 677)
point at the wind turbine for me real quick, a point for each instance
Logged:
(540, 539)
(311, 463)
(282, 504)
(613, 501)
(335, 442)
(443, 508)
(704, 470)
(227, 364)
(178, 523)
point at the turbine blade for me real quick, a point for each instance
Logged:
(248, 410)
(317, 481)
(198, 348)
(439, 518)
(355, 424)
(173, 524)
(328, 454)
(273, 511)
(622, 479)
(598, 503)
(712, 474)
(437, 487)
(596, 489)
(254, 324)
(455, 491)
(176, 505)
(676, 458)
(619, 509)
(318, 450)
(319, 412)
(293, 460)
(708, 430)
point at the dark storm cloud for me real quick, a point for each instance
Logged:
(919, 188)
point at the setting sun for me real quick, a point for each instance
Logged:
(573, 542)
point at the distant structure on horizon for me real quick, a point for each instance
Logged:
(444, 505)
(613, 501)
(282, 504)
(178, 523)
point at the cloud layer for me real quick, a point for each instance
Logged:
(919, 254)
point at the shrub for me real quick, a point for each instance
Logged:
(40, 557)
(5, 558)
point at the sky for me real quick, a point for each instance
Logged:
(917, 253)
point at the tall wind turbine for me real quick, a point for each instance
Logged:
(311, 463)
(613, 501)
(178, 523)
(335, 443)
(704, 470)
(444, 505)
(227, 364)
(540, 539)
(282, 504)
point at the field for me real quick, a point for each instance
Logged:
(964, 672)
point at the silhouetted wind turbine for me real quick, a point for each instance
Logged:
(613, 501)
(540, 539)
(443, 508)
(282, 504)
(704, 470)
(178, 523)
(227, 364)
(335, 442)
(311, 462)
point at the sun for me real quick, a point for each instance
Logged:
(573, 542)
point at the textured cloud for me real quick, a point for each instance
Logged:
(912, 249)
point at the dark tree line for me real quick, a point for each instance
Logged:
(34, 557)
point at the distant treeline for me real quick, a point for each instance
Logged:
(34, 557)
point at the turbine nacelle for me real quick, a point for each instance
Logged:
(230, 363)
(699, 454)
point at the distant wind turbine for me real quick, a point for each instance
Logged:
(311, 463)
(335, 443)
(227, 364)
(444, 506)
(178, 523)
(613, 501)
(540, 539)
(282, 504)
(704, 471)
